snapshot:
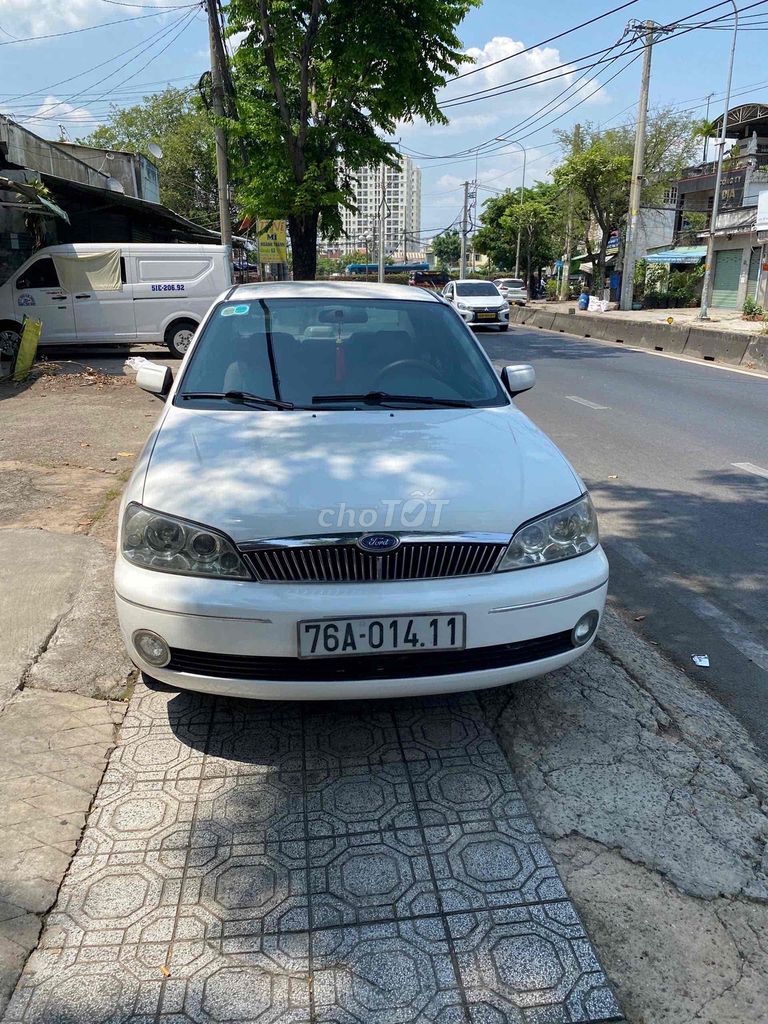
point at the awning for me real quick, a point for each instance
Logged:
(31, 193)
(683, 254)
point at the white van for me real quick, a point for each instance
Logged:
(99, 293)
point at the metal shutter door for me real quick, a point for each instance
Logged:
(727, 273)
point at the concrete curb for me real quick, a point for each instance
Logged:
(729, 347)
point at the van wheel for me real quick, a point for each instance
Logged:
(179, 335)
(10, 335)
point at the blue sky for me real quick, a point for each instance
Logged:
(157, 45)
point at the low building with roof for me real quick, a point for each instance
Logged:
(740, 256)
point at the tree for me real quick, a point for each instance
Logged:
(177, 122)
(319, 83)
(447, 249)
(597, 174)
(540, 218)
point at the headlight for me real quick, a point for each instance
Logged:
(461, 305)
(565, 533)
(167, 544)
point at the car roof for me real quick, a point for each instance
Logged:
(472, 280)
(329, 290)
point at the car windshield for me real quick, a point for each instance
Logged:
(512, 282)
(477, 288)
(298, 350)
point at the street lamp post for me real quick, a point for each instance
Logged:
(513, 142)
(706, 292)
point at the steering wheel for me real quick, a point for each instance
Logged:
(407, 364)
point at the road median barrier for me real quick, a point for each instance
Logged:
(756, 356)
(730, 347)
(717, 346)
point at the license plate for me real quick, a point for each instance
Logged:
(326, 638)
(486, 316)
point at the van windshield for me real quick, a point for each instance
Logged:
(301, 351)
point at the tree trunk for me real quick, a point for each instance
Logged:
(303, 231)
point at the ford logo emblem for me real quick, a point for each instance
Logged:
(378, 543)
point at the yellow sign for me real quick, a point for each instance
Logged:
(30, 335)
(272, 247)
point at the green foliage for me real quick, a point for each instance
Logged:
(553, 289)
(176, 121)
(447, 249)
(597, 173)
(540, 218)
(683, 284)
(752, 309)
(319, 82)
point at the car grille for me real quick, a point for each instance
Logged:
(346, 563)
(387, 666)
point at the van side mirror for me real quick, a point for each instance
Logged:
(518, 378)
(154, 378)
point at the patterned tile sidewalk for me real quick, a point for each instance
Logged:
(310, 864)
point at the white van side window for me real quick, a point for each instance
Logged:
(40, 274)
(172, 270)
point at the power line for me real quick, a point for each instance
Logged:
(89, 28)
(544, 42)
(184, 21)
(488, 147)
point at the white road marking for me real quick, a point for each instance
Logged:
(730, 630)
(583, 401)
(750, 467)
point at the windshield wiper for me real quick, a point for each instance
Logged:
(384, 397)
(242, 397)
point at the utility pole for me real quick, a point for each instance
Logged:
(706, 291)
(565, 285)
(382, 221)
(464, 231)
(217, 91)
(638, 163)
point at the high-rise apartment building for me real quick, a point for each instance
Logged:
(402, 238)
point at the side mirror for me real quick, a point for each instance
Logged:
(155, 378)
(518, 378)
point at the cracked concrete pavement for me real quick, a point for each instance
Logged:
(66, 443)
(655, 807)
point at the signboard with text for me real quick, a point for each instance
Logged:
(762, 210)
(272, 244)
(732, 189)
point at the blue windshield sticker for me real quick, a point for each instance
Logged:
(240, 310)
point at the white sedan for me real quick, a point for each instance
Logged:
(340, 499)
(479, 303)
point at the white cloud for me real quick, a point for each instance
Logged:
(51, 113)
(541, 61)
(23, 18)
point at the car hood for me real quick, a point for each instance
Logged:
(263, 474)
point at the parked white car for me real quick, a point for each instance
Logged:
(480, 303)
(340, 500)
(101, 294)
(513, 289)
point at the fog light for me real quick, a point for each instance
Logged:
(151, 647)
(584, 629)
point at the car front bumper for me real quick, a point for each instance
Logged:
(471, 318)
(240, 638)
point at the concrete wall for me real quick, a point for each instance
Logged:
(729, 347)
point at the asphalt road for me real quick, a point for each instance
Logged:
(675, 454)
